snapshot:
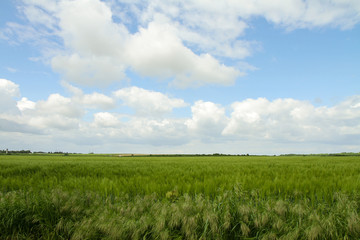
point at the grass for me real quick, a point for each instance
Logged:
(203, 197)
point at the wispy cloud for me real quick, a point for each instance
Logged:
(12, 70)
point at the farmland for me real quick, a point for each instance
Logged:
(179, 197)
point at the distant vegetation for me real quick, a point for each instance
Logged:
(179, 197)
(174, 155)
(15, 152)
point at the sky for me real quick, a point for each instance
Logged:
(192, 76)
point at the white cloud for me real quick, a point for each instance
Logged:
(291, 14)
(208, 119)
(25, 103)
(154, 132)
(180, 41)
(305, 14)
(94, 100)
(59, 112)
(94, 43)
(97, 51)
(115, 129)
(56, 112)
(219, 27)
(8, 91)
(12, 70)
(9, 88)
(9, 110)
(293, 120)
(53, 122)
(148, 103)
(100, 57)
(213, 29)
(39, 16)
(158, 52)
(49, 6)
(254, 125)
(57, 104)
(106, 119)
(87, 27)
(88, 71)
(98, 101)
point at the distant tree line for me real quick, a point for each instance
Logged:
(6, 151)
(14, 152)
(10, 152)
(325, 154)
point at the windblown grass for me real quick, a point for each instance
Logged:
(92, 197)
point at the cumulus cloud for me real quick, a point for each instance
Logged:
(55, 112)
(277, 125)
(87, 27)
(96, 51)
(94, 100)
(89, 70)
(260, 118)
(148, 103)
(57, 104)
(8, 90)
(53, 122)
(293, 120)
(61, 112)
(9, 109)
(184, 42)
(155, 51)
(25, 103)
(97, 101)
(106, 120)
(11, 126)
(208, 119)
(94, 43)
(154, 132)
(158, 52)
(114, 128)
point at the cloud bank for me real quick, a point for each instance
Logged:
(281, 121)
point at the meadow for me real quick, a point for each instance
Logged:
(179, 197)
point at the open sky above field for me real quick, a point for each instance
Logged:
(202, 76)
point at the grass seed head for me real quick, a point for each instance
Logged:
(353, 223)
(245, 230)
(314, 232)
(280, 208)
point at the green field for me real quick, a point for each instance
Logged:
(179, 197)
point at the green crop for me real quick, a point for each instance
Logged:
(186, 197)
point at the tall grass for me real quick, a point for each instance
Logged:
(231, 215)
(93, 197)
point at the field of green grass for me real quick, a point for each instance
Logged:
(179, 197)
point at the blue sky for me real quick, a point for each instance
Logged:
(180, 76)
